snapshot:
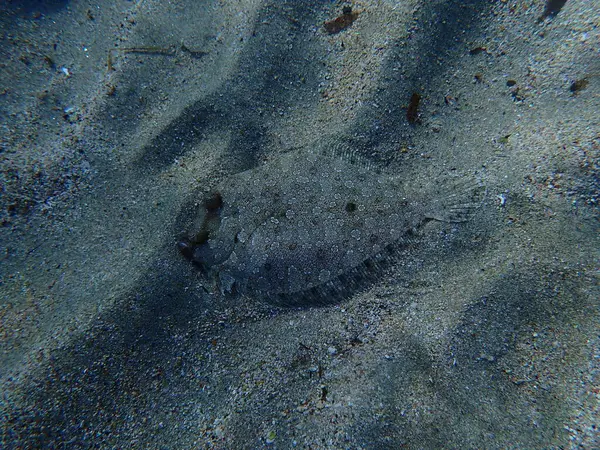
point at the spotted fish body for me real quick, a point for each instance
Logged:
(307, 229)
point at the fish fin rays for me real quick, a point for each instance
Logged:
(459, 201)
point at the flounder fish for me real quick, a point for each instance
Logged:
(309, 228)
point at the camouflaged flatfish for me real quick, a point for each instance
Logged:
(308, 229)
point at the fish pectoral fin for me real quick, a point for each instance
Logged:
(226, 283)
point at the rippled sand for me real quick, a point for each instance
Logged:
(118, 118)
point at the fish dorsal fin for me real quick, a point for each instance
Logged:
(347, 149)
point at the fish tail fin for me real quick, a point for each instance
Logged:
(458, 201)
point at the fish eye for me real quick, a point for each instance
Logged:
(214, 202)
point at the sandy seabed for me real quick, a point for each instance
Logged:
(119, 116)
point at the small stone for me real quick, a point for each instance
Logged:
(271, 437)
